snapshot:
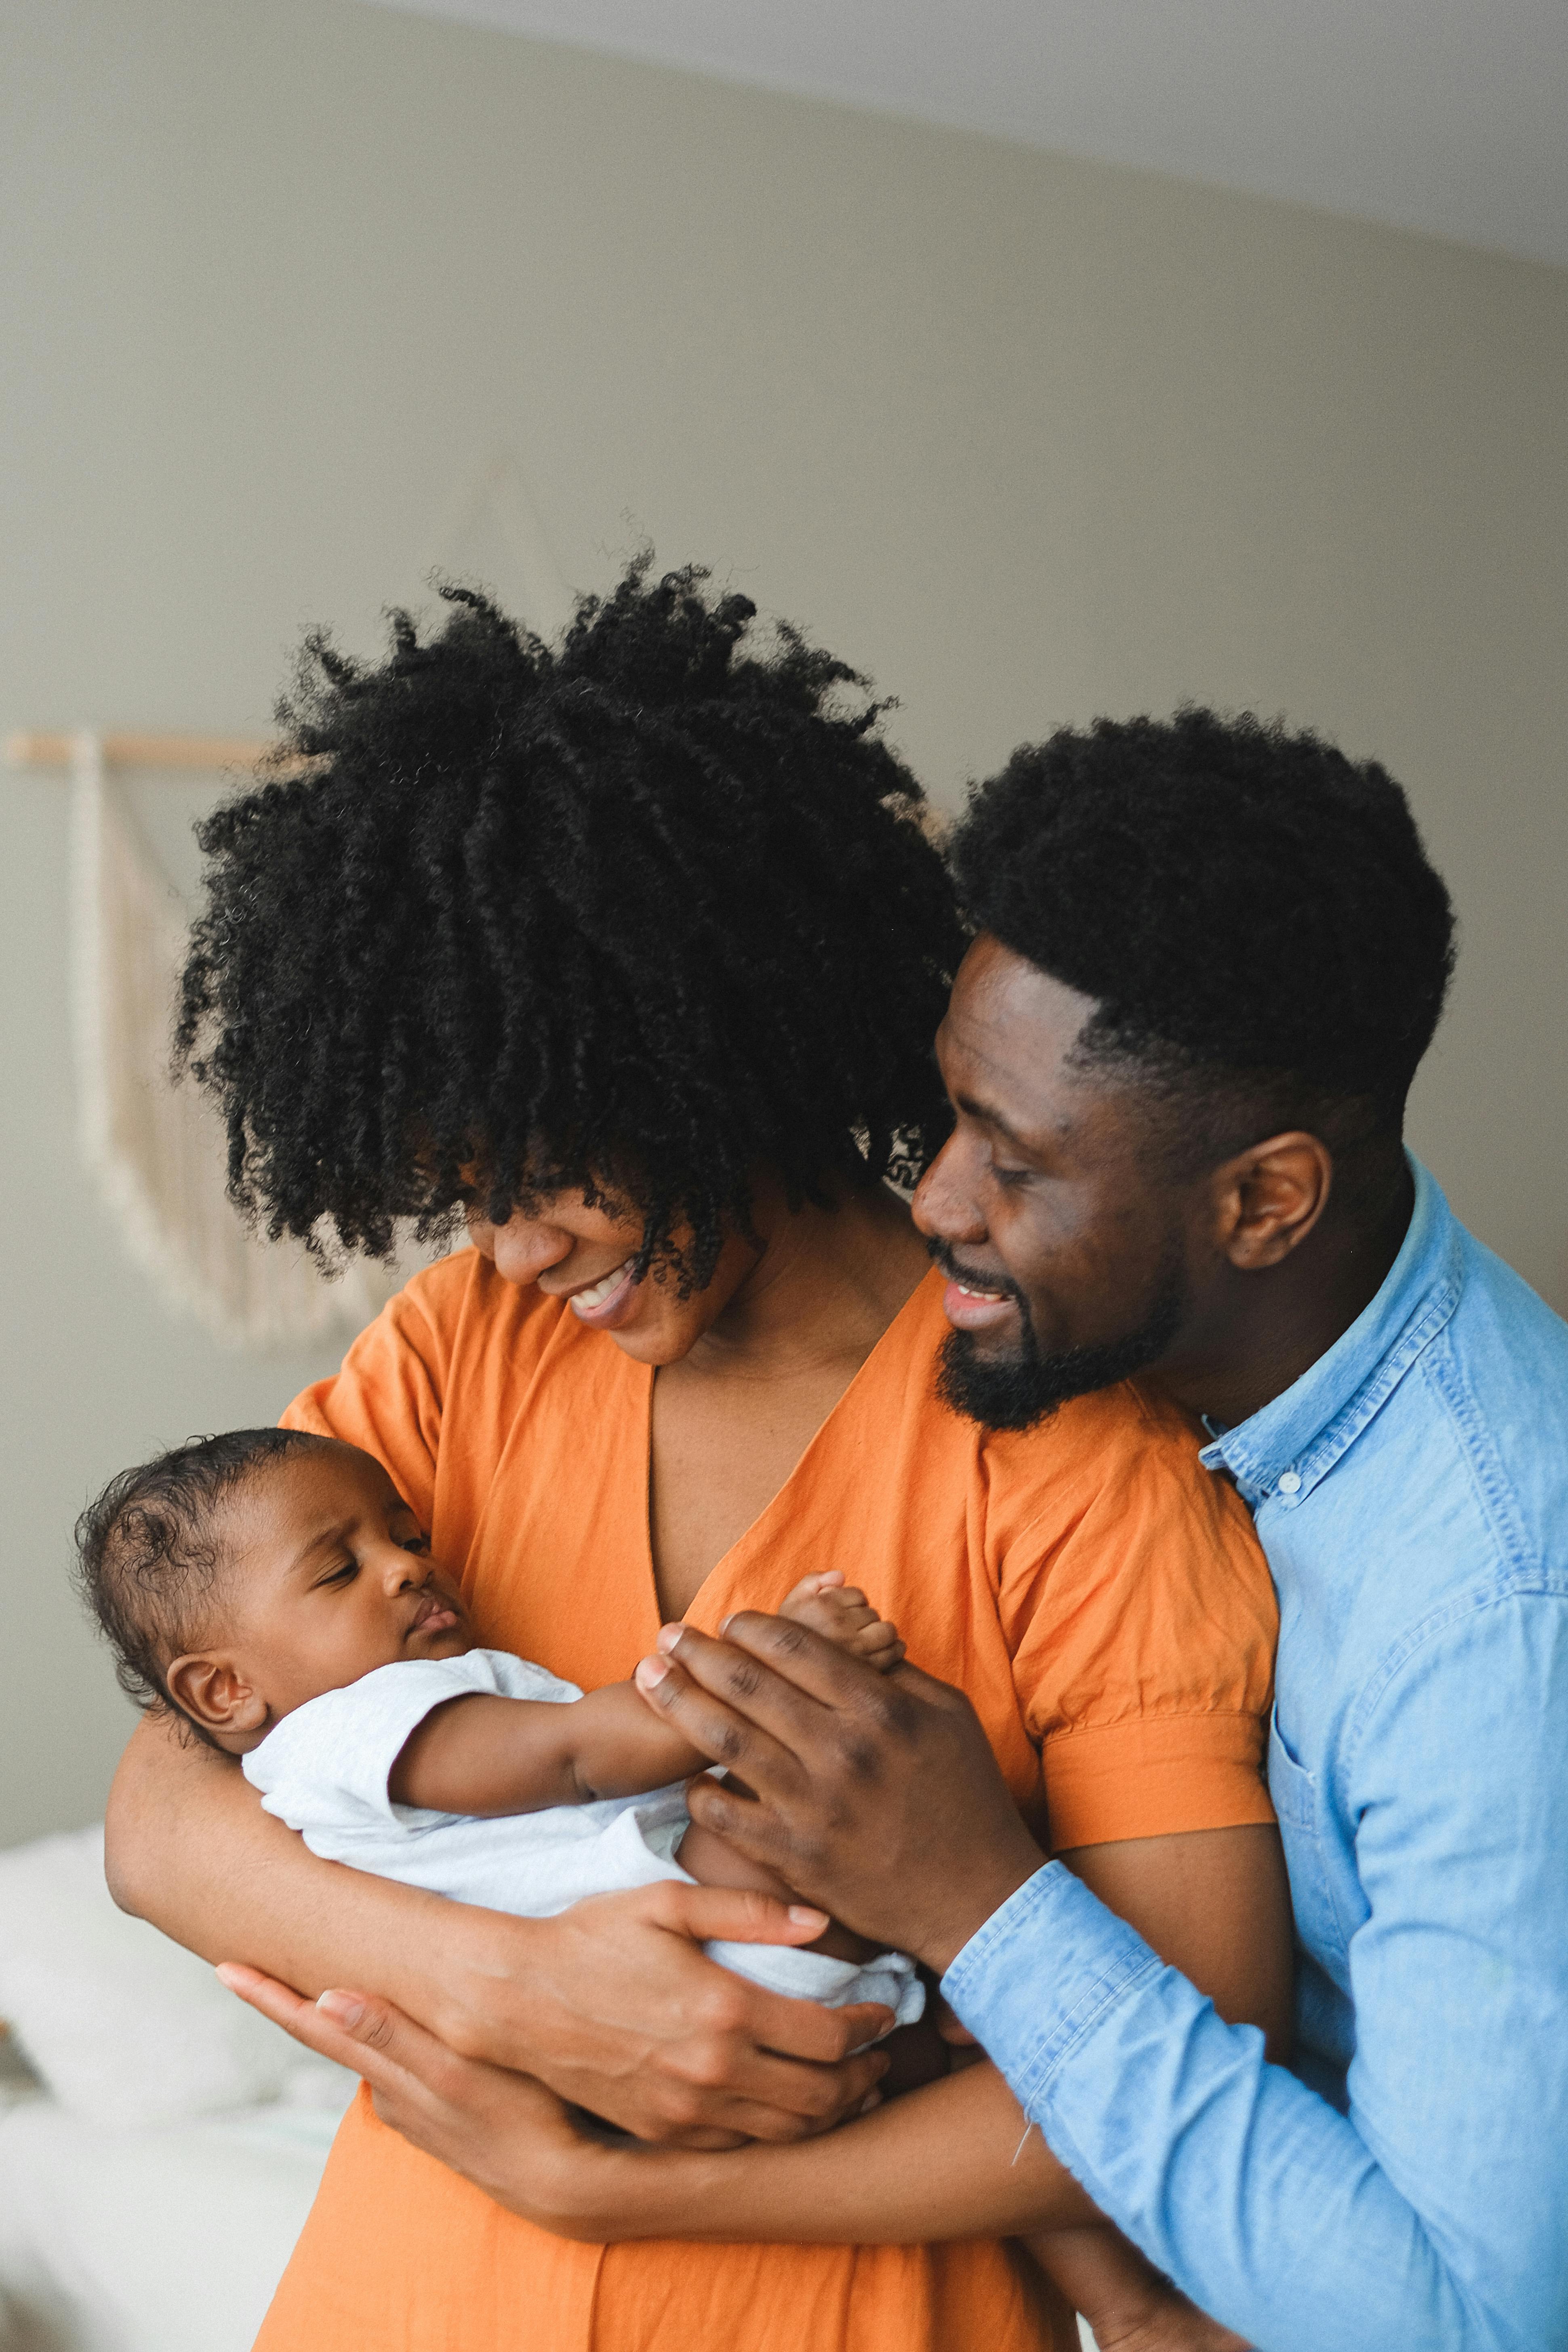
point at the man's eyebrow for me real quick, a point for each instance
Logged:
(989, 1116)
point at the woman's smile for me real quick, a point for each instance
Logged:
(609, 1302)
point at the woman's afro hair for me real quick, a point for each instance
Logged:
(636, 914)
(1249, 908)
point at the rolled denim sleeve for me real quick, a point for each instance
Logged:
(1434, 2216)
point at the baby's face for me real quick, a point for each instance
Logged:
(328, 1575)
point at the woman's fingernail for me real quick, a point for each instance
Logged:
(650, 1673)
(805, 1915)
(342, 2008)
(667, 1636)
(872, 2099)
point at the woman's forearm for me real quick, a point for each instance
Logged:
(613, 2003)
(187, 1845)
(955, 2161)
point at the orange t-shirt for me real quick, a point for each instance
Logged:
(1101, 1599)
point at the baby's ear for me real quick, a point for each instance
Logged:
(214, 1694)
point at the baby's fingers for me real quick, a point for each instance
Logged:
(837, 1616)
(825, 1580)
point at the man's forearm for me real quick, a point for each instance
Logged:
(1234, 2177)
(953, 2161)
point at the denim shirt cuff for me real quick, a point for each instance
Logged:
(1032, 1982)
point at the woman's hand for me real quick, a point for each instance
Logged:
(506, 2133)
(943, 2162)
(622, 2013)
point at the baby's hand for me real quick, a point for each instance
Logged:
(842, 1613)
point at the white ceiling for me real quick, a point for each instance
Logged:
(1449, 116)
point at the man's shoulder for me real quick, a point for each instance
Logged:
(1443, 1524)
(1509, 1343)
(1499, 1373)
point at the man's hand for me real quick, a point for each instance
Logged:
(876, 1796)
(619, 2011)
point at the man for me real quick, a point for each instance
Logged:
(1209, 958)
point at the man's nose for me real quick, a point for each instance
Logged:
(945, 1207)
(524, 1247)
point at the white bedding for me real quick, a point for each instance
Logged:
(164, 2239)
(119, 2233)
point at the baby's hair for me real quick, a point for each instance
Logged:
(148, 1553)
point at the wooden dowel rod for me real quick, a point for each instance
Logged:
(29, 749)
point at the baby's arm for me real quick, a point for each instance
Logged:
(484, 1754)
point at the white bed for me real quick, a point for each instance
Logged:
(169, 2239)
(160, 2145)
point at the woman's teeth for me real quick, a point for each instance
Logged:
(582, 1302)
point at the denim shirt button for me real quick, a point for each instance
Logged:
(1289, 1482)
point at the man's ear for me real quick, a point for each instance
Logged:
(214, 1694)
(1268, 1198)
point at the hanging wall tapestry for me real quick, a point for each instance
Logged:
(157, 1150)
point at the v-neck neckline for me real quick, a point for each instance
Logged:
(753, 1536)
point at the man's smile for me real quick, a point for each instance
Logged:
(970, 1301)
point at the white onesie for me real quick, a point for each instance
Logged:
(324, 1770)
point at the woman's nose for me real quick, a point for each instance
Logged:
(523, 1248)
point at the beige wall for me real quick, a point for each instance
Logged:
(1029, 439)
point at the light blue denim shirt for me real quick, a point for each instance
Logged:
(1404, 2188)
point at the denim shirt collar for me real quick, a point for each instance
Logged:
(1283, 1451)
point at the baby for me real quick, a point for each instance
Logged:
(275, 1590)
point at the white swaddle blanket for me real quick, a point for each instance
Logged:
(324, 1770)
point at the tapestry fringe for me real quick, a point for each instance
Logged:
(157, 1150)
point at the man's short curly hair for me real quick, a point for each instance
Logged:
(639, 914)
(1252, 912)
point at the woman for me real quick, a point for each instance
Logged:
(633, 952)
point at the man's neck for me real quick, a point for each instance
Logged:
(1268, 1329)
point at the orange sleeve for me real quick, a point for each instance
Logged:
(387, 1394)
(1143, 1626)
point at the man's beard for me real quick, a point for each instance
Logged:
(1016, 1391)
